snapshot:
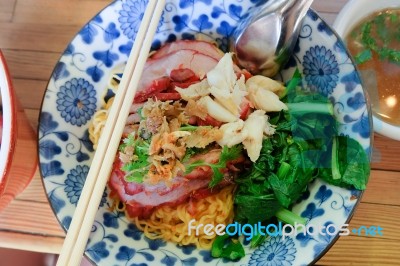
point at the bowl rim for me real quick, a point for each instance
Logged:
(371, 139)
(352, 13)
(8, 136)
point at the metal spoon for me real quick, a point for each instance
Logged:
(265, 39)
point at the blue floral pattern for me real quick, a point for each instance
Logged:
(74, 183)
(78, 85)
(321, 69)
(76, 101)
(131, 15)
(276, 251)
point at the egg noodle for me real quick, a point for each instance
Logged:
(99, 118)
(98, 122)
(166, 222)
(171, 223)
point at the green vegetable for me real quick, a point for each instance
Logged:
(290, 218)
(137, 169)
(192, 128)
(283, 215)
(380, 44)
(289, 159)
(226, 247)
(315, 107)
(252, 208)
(363, 57)
(254, 193)
(140, 112)
(305, 146)
(257, 240)
(191, 152)
(350, 164)
(227, 154)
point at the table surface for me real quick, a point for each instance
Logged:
(33, 33)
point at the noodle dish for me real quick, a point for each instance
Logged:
(216, 165)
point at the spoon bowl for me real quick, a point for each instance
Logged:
(265, 39)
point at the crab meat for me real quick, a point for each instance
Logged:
(222, 76)
(239, 92)
(195, 91)
(254, 128)
(225, 99)
(224, 85)
(269, 129)
(266, 100)
(259, 81)
(232, 133)
(216, 110)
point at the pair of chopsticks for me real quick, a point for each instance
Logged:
(89, 201)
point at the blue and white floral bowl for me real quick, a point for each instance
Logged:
(75, 92)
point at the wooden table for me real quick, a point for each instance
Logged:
(33, 33)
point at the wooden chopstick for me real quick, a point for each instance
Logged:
(81, 224)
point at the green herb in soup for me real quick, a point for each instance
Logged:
(375, 45)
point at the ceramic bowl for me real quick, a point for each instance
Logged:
(81, 76)
(8, 130)
(352, 14)
(18, 153)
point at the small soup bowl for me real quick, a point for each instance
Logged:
(352, 14)
(18, 158)
(8, 125)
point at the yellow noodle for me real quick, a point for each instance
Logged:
(99, 118)
(172, 224)
(97, 123)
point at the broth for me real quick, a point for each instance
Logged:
(375, 45)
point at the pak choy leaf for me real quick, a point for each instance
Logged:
(296, 156)
(257, 240)
(310, 115)
(292, 87)
(293, 175)
(228, 248)
(350, 166)
(290, 217)
(303, 135)
(284, 215)
(254, 198)
(252, 208)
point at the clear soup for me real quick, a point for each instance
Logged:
(375, 45)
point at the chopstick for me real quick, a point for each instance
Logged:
(96, 180)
